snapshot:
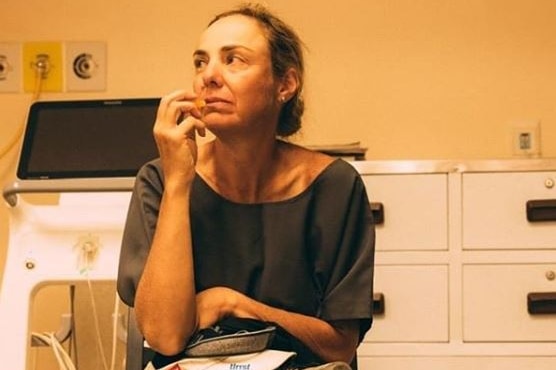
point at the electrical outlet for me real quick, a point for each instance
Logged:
(10, 67)
(526, 139)
(85, 66)
(42, 60)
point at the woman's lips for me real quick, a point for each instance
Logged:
(217, 104)
(213, 100)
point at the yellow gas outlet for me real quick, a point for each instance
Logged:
(42, 59)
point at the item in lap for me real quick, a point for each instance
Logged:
(231, 336)
(265, 360)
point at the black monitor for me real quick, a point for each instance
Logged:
(88, 139)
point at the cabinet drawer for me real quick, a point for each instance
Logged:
(415, 304)
(415, 211)
(495, 303)
(494, 210)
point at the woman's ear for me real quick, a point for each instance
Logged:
(288, 85)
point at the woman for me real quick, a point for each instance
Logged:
(247, 225)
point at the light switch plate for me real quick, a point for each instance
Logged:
(526, 136)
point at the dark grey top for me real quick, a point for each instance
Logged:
(312, 254)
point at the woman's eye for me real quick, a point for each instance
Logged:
(234, 59)
(199, 63)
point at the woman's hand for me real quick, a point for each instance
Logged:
(332, 341)
(176, 139)
(214, 304)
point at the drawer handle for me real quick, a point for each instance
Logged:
(378, 304)
(541, 303)
(377, 209)
(541, 210)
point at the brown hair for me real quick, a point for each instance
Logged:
(285, 52)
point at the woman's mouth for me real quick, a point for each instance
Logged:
(215, 100)
(216, 104)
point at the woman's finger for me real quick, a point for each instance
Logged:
(191, 125)
(174, 105)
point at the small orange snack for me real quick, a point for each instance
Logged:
(200, 103)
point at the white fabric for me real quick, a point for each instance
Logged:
(265, 360)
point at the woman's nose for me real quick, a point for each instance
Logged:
(212, 74)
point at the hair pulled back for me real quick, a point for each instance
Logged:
(285, 52)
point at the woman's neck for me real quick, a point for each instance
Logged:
(241, 171)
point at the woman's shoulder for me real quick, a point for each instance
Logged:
(316, 164)
(150, 176)
(312, 170)
(150, 169)
(308, 160)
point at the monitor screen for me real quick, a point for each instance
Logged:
(84, 139)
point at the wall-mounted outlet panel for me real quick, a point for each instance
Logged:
(85, 66)
(10, 67)
(42, 59)
(526, 137)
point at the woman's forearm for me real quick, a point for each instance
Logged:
(165, 298)
(331, 342)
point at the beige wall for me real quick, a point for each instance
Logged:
(425, 79)
(410, 79)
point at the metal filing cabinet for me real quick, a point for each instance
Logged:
(465, 264)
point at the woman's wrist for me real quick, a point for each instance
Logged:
(241, 305)
(232, 303)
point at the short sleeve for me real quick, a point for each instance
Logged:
(139, 230)
(344, 239)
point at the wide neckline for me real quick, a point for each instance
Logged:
(291, 199)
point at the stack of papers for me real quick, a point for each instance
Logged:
(350, 151)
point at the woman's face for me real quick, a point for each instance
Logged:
(234, 76)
